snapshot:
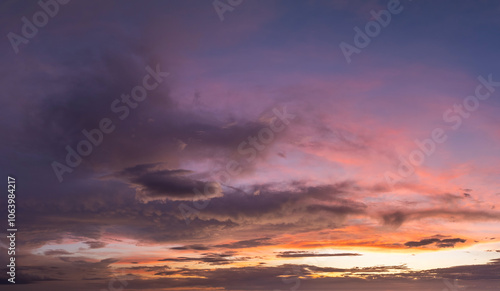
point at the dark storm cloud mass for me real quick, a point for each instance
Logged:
(59, 119)
(88, 85)
(86, 98)
(77, 89)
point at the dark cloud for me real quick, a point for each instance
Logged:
(153, 182)
(210, 258)
(450, 198)
(234, 245)
(357, 270)
(95, 244)
(490, 271)
(456, 214)
(397, 218)
(247, 243)
(55, 266)
(449, 243)
(440, 243)
(422, 242)
(305, 276)
(278, 201)
(196, 247)
(148, 268)
(305, 254)
(394, 219)
(166, 273)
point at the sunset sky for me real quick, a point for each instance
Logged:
(252, 144)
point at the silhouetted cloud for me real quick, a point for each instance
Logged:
(154, 183)
(440, 243)
(246, 243)
(197, 247)
(305, 254)
(95, 244)
(210, 258)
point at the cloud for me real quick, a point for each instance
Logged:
(449, 243)
(400, 216)
(55, 266)
(394, 219)
(95, 244)
(233, 245)
(210, 258)
(247, 243)
(196, 247)
(153, 183)
(305, 254)
(58, 252)
(489, 271)
(440, 243)
(276, 203)
(306, 276)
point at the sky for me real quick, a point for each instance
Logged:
(251, 145)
